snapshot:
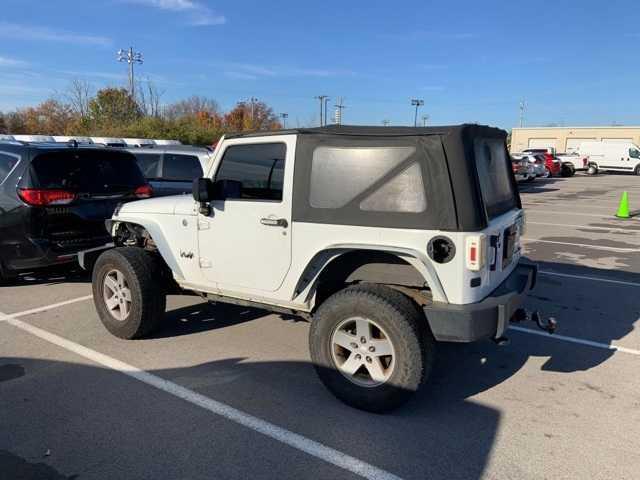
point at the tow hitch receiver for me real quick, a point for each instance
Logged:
(549, 325)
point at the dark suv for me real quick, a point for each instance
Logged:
(54, 200)
(171, 170)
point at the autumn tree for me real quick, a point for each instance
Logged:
(78, 96)
(49, 118)
(113, 108)
(191, 107)
(3, 124)
(251, 116)
(149, 96)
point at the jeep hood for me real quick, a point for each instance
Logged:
(181, 204)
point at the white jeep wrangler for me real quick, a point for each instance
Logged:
(386, 239)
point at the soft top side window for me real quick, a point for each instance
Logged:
(258, 167)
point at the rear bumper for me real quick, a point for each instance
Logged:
(33, 254)
(488, 318)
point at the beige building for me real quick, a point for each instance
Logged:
(568, 139)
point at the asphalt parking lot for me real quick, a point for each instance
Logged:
(229, 392)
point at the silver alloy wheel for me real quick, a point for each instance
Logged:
(362, 351)
(117, 295)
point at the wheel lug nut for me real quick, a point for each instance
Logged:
(363, 340)
(354, 345)
(368, 359)
(372, 349)
(358, 356)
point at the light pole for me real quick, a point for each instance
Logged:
(130, 57)
(424, 120)
(284, 116)
(326, 100)
(322, 102)
(523, 107)
(339, 106)
(416, 102)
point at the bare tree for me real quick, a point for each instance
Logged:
(193, 106)
(149, 98)
(78, 95)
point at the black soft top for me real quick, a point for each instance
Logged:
(366, 130)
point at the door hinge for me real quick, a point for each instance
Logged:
(204, 263)
(203, 225)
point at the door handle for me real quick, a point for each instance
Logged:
(274, 222)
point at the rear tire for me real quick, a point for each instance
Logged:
(637, 170)
(567, 171)
(592, 170)
(128, 292)
(395, 324)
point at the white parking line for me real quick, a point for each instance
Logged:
(584, 245)
(603, 229)
(4, 316)
(543, 211)
(586, 277)
(564, 338)
(299, 442)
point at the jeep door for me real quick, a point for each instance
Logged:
(245, 243)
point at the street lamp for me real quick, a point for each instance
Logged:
(424, 120)
(284, 119)
(130, 57)
(416, 102)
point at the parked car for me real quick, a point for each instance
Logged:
(536, 161)
(337, 225)
(54, 200)
(573, 162)
(523, 170)
(109, 141)
(171, 170)
(4, 136)
(611, 156)
(552, 164)
(163, 142)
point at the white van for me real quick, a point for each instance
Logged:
(612, 156)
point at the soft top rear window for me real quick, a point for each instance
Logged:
(494, 172)
(86, 171)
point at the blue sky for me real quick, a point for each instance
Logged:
(575, 62)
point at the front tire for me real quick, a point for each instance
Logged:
(637, 170)
(128, 292)
(592, 170)
(371, 347)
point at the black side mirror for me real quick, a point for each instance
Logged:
(202, 190)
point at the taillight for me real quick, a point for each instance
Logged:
(475, 252)
(584, 162)
(144, 191)
(43, 197)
